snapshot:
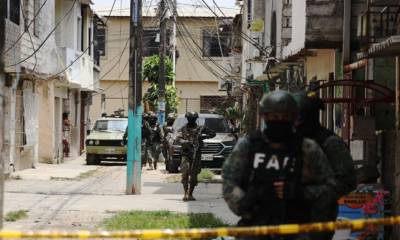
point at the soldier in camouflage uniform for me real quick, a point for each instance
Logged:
(155, 141)
(146, 134)
(274, 176)
(145, 139)
(167, 129)
(337, 153)
(191, 142)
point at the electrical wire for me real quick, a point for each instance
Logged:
(29, 33)
(29, 25)
(47, 38)
(83, 53)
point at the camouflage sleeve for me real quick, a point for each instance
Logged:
(323, 183)
(210, 133)
(233, 174)
(341, 163)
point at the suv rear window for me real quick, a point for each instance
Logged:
(111, 125)
(218, 125)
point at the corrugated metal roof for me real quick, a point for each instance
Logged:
(183, 11)
(388, 47)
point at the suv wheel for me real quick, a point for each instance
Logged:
(91, 160)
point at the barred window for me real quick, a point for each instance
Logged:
(36, 24)
(216, 44)
(14, 8)
(151, 42)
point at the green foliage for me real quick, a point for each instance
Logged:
(161, 220)
(16, 215)
(171, 95)
(206, 175)
(150, 73)
(151, 69)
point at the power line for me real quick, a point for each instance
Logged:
(90, 45)
(32, 21)
(48, 36)
(29, 33)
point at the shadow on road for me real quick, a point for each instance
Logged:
(112, 163)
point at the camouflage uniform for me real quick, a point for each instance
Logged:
(167, 129)
(191, 144)
(338, 156)
(155, 144)
(254, 203)
(146, 131)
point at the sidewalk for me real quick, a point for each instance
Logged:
(69, 170)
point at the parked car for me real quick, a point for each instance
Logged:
(213, 152)
(105, 141)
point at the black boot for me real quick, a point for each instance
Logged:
(185, 196)
(190, 196)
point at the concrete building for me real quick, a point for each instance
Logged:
(39, 86)
(198, 65)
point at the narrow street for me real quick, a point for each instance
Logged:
(84, 204)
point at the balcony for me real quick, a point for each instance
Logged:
(378, 22)
(309, 28)
(81, 74)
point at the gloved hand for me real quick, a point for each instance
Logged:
(248, 204)
(293, 190)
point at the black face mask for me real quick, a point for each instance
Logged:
(278, 131)
(191, 121)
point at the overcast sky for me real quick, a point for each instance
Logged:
(106, 4)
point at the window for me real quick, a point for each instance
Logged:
(100, 36)
(249, 13)
(90, 41)
(36, 23)
(287, 22)
(111, 125)
(151, 42)
(79, 34)
(216, 44)
(13, 9)
(287, 2)
(273, 34)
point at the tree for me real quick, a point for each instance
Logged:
(150, 73)
(151, 69)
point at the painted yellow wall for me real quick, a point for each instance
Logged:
(321, 64)
(192, 78)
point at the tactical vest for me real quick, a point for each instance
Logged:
(267, 165)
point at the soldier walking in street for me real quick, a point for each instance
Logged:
(155, 141)
(146, 134)
(274, 176)
(335, 150)
(191, 140)
(167, 130)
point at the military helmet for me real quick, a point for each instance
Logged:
(309, 101)
(280, 105)
(192, 116)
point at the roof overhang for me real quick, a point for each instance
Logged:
(386, 48)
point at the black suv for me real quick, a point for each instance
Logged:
(214, 150)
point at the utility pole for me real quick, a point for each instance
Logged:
(133, 184)
(161, 77)
(174, 18)
(2, 76)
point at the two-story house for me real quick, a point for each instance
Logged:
(41, 83)
(203, 48)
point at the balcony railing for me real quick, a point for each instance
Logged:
(378, 22)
